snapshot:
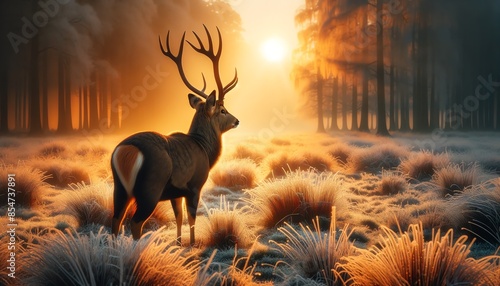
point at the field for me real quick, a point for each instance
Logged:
(298, 209)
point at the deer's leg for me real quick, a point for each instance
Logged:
(121, 202)
(192, 206)
(177, 207)
(146, 203)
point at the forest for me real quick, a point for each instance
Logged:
(360, 65)
(83, 65)
(359, 144)
(400, 65)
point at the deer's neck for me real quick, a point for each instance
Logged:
(209, 138)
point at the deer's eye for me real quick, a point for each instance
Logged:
(223, 111)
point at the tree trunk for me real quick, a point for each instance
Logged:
(86, 124)
(115, 93)
(35, 123)
(61, 95)
(335, 94)
(381, 121)
(103, 95)
(363, 126)
(80, 107)
(354, 107)
(93, 101)
(45, 92)
(405, 106)
(344, 103)
(434, 101)
(67, 90)
(319, 77)
(392, 101)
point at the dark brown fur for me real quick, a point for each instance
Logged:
(175, 166)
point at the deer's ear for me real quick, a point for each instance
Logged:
(210, 103)
(193, 100)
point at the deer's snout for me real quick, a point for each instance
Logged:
(236, 123)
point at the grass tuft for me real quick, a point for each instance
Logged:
(281, 142)
(52, 150)
(63, 173)
(391, 184)
(407, 259)
(377, 158)
(28, 185)
(477, 210)
(299, 197)
(101, 259)
(248, 152)
(422, 165)
(90, 204)
(239, 272)
(455, 178)
(235, 174)
(281, 163)
(341, 152)
(225, 227)
(315, 254)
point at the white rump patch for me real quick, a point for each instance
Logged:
(127, 171)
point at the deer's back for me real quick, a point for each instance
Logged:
(177, 156)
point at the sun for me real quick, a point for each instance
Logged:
(273, 49)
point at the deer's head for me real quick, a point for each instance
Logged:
(212, 110)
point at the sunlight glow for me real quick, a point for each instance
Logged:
(273, 49)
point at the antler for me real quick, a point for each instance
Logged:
(178, 61)
(215, 57)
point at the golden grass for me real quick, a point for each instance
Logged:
(235, 174)
(240, 272)
(248, 151)
(100, 259)
(279, 164)
(92, 151)
(225, 227)
(340, 152)
(477, 210)
(377, 158)
(406, 259)
(52, 149)
(392, 183)
(299, 197)
(422, 165)
(62, 173)
(371, 191)
(455, 178)
(315, 254)
(29, 184)
(90, 204)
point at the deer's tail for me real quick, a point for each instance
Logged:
(127, 161)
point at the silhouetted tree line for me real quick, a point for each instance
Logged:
(69, 61)
(400, 65)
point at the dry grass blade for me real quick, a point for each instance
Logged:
(101, 259)
(235, 174)
(422, 165)
(407, 259)
(299, 197)
(455, 178)
(225, 227)
(316, 254)
(377, 158)
(90, 204)
(477, 210)
(392, 183)
(29, 183)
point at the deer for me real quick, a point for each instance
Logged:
(149, 167)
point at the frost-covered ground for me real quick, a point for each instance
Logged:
(266, 213)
